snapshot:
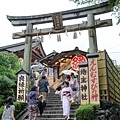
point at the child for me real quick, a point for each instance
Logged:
(8, 113)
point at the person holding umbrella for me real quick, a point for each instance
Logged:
(75, 86)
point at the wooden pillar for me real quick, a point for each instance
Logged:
(84, 83)
(93, 78)
(55, 73)
(28, 48)
(92, 34)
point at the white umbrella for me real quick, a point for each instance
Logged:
(68, 72)
(37, 67)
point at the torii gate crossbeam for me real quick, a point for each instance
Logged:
(29, 21)
(66, 15)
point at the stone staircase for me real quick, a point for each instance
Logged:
(53, 110)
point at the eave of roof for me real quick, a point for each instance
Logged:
(67, 54)
(22, 44)
(48, 57)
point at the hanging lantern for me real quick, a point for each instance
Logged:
(75, 35)
(42, 38)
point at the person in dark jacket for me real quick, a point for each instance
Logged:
(33, 103)
(43, 90)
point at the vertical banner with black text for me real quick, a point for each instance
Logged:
(22, 88)
(84, 84)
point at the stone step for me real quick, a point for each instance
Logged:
(49, 115)
(51, 105)
(52, 118)
(59, 105)
(54, 98)
(55, 115)
(53, 94)
(54, 110)
(54, 102)
(60, 108)
(57, 111)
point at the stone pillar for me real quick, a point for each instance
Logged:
(28, 48)
(92, 34)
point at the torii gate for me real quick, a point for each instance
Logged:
(91, 24)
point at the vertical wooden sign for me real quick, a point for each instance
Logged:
(22, 86)
(93, 78)
(50, 72)
(84, 85)
(57, 21)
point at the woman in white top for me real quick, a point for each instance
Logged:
(8, 113)
(75, 86)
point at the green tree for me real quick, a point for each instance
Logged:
(114, 3)
(9, 66)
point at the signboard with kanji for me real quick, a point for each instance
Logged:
(22, 88)
(57, 21)
(84, 87)
(93, 81)
(76, 60)
(50, 72)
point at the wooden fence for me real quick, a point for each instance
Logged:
(109, 78)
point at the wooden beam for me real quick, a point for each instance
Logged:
(66, 15)
(69, 28)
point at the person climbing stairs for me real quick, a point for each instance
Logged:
(53, 109)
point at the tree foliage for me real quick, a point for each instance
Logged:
(9, 65)
(114, 3)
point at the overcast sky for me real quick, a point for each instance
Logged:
(107, 38)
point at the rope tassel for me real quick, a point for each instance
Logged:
(75, 35)
(42, 38)
(59, 37)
